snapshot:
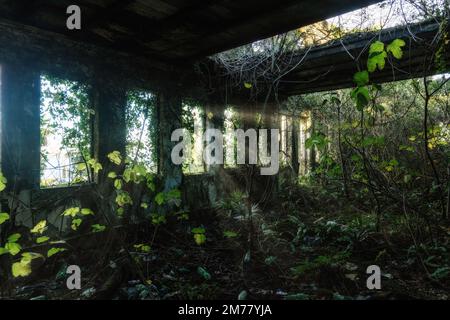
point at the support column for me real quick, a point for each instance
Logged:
(295, 144)
(215, 118)
(109, 100)
(169, 110)
(20, 127)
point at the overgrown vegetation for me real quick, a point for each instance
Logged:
(376, 192)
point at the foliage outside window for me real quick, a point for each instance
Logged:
(65, 131)
(142, 129)
(193, 120)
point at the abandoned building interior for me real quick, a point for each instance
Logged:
(81, 108)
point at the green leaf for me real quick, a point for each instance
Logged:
(144, 205)
(21, 269)
(248, 85)
(14, 237)
(151, 186)
(13, 248)
(361, 78)
(3, 217)
(3, 182)
(376, 60)
(115, 157)
(81, 166)
(42, 239)
(173, 194)
(158, 218)
(95, 165)
(203, 273)
(377, 46)
(71, 212)
(160, 198)
(40, 227)
(118, 184)
(30, 256)
(142, 247)
(395, 47)
(54, 251)
(76, 223)
(199, 239)
(87, 212)
(361, 96)
(123, 198)
(98, 228)
(112, 175)
(199, 230)
(230, 234)
(127, 175)
(3, 251)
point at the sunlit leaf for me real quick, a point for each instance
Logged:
(395, 47)
(76, 223)
(123, 198)
(112, 175)
(87, 212)
(144, 205)
(199, 238)
(54, 251)
(40, 227)
(42, 239)
(13, 248)
(142, 247)
(21, 269)
(3, 217)
(14, 237)
(115, 157)
(118, 184)
(81, 166)
(376, 60)
(71, 211)
(3, 182)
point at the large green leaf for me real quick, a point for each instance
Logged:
(376, 60)
(3, 217)
(361, 78)
(395, 47)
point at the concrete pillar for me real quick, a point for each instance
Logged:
(109, 101)
(295, 144)
(169, 114)
(20, 127)
(215, 117)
